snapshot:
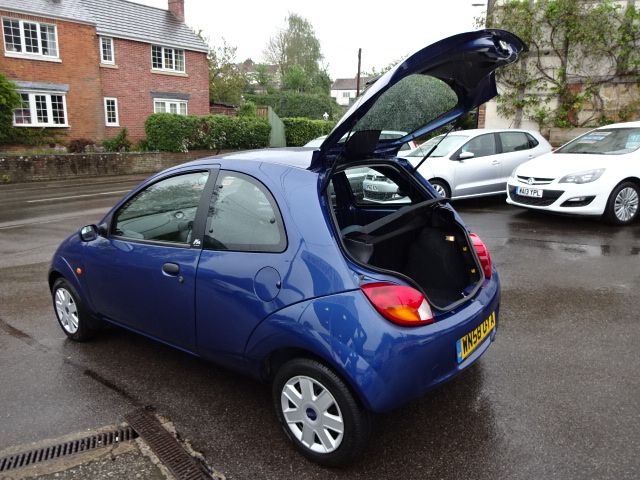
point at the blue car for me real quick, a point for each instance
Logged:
(266, 262)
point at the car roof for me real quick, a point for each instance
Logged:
(296, 157)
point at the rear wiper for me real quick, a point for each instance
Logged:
(434, 147)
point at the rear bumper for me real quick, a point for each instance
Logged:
(407, 362)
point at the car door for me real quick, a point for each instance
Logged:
(241, 266)
(516, 148)
(477, 170)
(142, 274)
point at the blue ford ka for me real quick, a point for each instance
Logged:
(271, 263)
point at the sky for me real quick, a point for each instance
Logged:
(386, 31)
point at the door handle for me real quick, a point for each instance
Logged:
(171, 268)
(495, 162)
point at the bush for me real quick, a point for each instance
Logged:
(119, 143)
(293, 104)
(299, 131)
(247, 109)
(179, 133)
(9, 99)
(78, 145)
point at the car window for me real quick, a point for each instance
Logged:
(481, 146)
(243, 216)
(514, 141)
(378, 185)
(164, 211)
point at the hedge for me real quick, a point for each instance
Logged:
(179, 133)
(299, 131)
(293, 104)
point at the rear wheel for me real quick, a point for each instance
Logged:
(441, 187)
(623, 204)
(318, 413)
(72, 316)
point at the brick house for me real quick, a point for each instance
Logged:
(93, 67)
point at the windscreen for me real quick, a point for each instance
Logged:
(613, 141)
(413, 102)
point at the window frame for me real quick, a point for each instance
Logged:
(268, 249)
(526, 136)
(23, 45)
(33, 109)
(496, 145)
(163, 51)
(112, 50)
(106, 112)
(168, 101)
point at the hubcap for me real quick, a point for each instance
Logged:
(312, 414)
(440, 189)
(66, 310)
(626, 204)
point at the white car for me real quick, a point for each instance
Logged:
(597, 173)
(466, 163)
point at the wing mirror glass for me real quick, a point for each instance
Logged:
(466, 155)
(88, 233)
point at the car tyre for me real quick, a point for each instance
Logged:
(319, 414)
(441, 187)
(623, 204)
(73, 317)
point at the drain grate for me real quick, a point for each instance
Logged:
(53, 452)
(166, 447)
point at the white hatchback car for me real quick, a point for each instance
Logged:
(597, 173)
(466, 163)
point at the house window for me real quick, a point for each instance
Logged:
(111, 112)
(106, 50)
(170, 106)
(346, 94)
(30, 38)
(41, 110)
(168, 59)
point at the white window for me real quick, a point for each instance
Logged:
(170, 106)
(168, 59)
(111, 112)
(346, 94)
(27, 38)
(41, 110)
(106, 51)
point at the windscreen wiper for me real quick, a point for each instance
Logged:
(434, 147)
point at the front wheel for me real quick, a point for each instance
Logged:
(318, 413)
(72, 316)
(622, 207)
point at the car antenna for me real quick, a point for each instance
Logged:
(434, 147)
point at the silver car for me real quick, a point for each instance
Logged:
(467, 163)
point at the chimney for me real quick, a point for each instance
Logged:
(177, 8)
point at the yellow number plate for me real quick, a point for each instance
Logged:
(467, 344)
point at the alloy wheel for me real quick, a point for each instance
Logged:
(625, 204)
(67, 310)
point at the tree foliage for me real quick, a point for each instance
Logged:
(294, 104)
(575, 48)
(226, 81)
(9, 100)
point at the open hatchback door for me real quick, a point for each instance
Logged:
(431, 88)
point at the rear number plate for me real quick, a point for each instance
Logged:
(529, 192)
(467, 344)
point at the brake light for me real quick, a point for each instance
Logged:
(483, 254)
(399, 304)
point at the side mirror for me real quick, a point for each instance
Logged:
(88, 233)
(466, 155)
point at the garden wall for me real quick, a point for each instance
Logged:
(29, 168)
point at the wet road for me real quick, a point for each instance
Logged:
(556, 396)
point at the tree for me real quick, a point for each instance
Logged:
(263, 77)
(9, 100)
(575, 48)
(226, 81)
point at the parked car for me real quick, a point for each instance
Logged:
(597, 174)
(467, 163)
(346, 308)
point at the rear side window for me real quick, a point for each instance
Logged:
(164, 211)
(243, 216)
(514, 141)
(481, 146)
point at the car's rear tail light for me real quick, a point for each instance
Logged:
(483, 254)
(399, 304)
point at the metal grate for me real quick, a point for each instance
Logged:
(53, 452)
(182, 465)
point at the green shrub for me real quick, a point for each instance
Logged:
(78, 145)
(9, 99)
(179, 133)
(293, 104)
(247, 109)
(299, 131)
(119, 143)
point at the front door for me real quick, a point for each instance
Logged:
(142, 275)
(481, 172)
